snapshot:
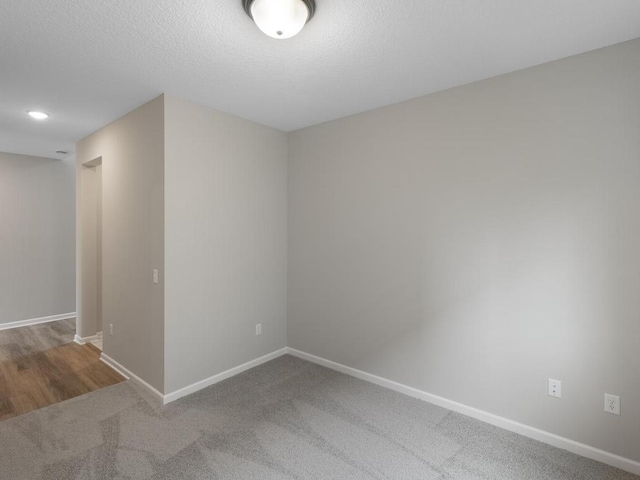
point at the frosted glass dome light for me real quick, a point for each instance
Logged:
(280, 18)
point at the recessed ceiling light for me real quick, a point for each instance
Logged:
(38, 115)
(280, 18)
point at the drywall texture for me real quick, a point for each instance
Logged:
(132, 159)
(353, 56)
(474, 242)
(37, 237)
(226, 241)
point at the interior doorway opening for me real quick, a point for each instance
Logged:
(89, 323)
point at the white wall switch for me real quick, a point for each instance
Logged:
(259, 329)
(612, 404)
(555, 388)
(111, 329)
(155, 276)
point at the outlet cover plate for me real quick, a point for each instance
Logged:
(555, 388)
(612, 404)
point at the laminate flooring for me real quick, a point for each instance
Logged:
(18, 342)
(40, 365)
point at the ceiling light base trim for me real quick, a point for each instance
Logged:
(311, 5)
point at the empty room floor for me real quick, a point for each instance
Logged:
(287, 419)
(41, 365)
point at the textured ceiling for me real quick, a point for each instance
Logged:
(87, 62)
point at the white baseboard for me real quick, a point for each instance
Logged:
(129, 375)
(83, 340)
(504, 423)
(207, 382)
(188, 390)
(36, 321)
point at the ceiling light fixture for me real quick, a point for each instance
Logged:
(38, 115)
(280, 18)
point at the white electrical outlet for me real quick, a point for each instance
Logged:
(259, 329)
(555, 388)
(111, 329)
(155, 276)
(612, 404)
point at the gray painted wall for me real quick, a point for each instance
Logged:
(474, 242)
(132, 151)
(37, 237)
(226, 241)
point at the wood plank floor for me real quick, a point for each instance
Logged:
(17, 342)
(32, 378)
